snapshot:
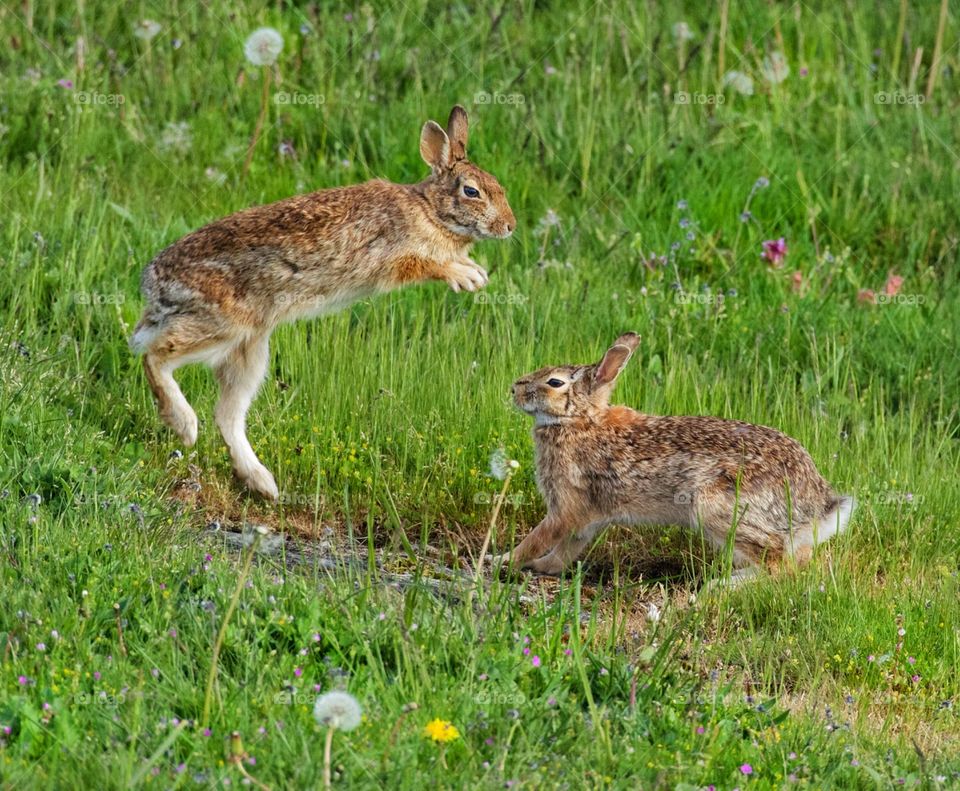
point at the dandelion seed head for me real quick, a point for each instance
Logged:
(176, 137)
(775, 68)
(146, 29)
(682, 32)
(337, 710)
(263, 46)
(740, 82)
(499, 464)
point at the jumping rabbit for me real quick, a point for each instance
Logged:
(215, 295)
(598, 464)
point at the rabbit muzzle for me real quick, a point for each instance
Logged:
(524, 396)
(504, 225)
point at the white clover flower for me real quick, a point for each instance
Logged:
(775, 68)
(146, 29)
(337, 710)
(682, 32)
(263, 46)
(653, 613)
(740, 82)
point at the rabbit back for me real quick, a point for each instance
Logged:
(702, 472)
(304, 255)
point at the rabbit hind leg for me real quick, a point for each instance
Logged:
(183, 341)
(240, 372)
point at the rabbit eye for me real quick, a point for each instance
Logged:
(556, 382)
(471, 192)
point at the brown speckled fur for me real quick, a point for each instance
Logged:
(599, 464)
(215, 295)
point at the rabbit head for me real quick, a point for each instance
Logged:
(466, 200)
(558, 393)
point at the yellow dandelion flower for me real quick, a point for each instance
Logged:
(441, 731)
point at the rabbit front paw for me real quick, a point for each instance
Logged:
(465, 274)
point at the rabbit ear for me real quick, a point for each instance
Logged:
(616, 358)
(457, 132)
(435, 146)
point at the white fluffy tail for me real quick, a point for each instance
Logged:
(143, 336)
(834, 522)
(823, 529)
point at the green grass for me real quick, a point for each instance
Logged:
(381, 420)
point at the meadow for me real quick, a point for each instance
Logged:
(151, 637)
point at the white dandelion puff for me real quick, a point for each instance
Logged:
(682, 32)
(499, 464)
(146, 29)
(740, 82)
(338, 710)
(775, 68)
(217, 177)
(176, 137)
(549, 220)
(263, 46)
